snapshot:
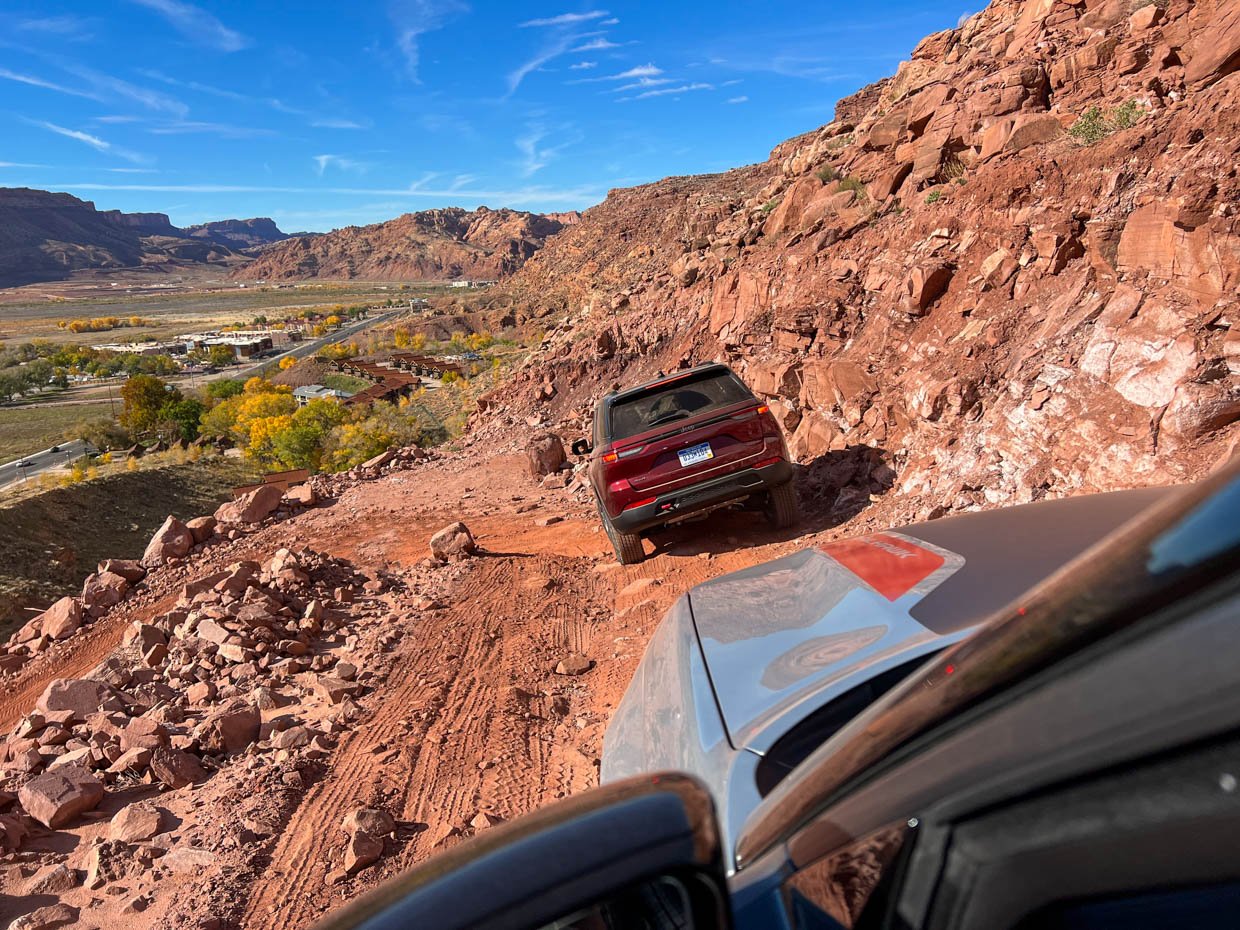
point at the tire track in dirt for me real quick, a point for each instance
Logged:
(291, 892)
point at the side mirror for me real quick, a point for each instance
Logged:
(582, 447)
(629, 854)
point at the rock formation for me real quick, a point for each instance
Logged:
(1010, 270)
(430, 245)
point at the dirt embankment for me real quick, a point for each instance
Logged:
(50, 542)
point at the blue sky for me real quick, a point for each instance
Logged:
(342, 113)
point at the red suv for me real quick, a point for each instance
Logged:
(681, 446)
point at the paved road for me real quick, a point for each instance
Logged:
(36, 463)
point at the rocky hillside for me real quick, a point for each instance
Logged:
(1010, 270)
(238, 234)
(46, 236)
(429, 245)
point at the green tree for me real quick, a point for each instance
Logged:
(184, 416)
(221, 356)
(224, 388)
(302, 443)
(144, 397)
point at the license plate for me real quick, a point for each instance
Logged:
(695, 454)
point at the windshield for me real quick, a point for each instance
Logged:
(676, 400)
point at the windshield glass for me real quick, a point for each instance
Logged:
(677, 400)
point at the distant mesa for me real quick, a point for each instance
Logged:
(47, 236)
(239, 234)
(428, 245)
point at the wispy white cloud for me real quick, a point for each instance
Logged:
(413, 19)
(639, 85)
(583, 66)
(548, 52)
(339, 163)
(610, 22)
(564, 19)
(664, 91)
(108, 86)
(198, 127)
(64, 27)
(596, 45)
(133, 170)
(648, 70)
(20, 164)
(33, 81)
(331, 123)
(197, 24)
(96, 143)
(740, 99)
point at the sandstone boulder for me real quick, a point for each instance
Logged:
(924, 285)
(231, 729)
(143, 733)
(545, 455)
(61, 619)
(80, 697)
(361, 850)
(202, 528)
(252, 507)
(129, 569)
(573, 664)
(136, 823)
(171, 541)
(46, 918)
(176, 768)
(453, 543)
(303, 495)
(368, 820)
(101, 591)
(58, 798)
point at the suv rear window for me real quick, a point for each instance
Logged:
(676, 400)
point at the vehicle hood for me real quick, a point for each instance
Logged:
(783, 637)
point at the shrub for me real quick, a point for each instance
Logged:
(827, 174)
(934, 196)
(853, 184)
(769, 206)
(1094, 125)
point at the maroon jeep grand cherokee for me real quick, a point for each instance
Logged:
(680, 446)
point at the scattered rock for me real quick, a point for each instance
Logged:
(175, 768)
(57, 798)
(361, 850)
(545, 455)
(251, 507)
(368, 820)
(172, 540)
(136, 823)
(61, 619)
(46, 918)
(453, 543)
(573, 664)
(202, 528)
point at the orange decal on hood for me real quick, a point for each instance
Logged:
(890, 565)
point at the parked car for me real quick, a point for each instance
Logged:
(1072, 764)
(682, 446)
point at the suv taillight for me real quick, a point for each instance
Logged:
(610, 458)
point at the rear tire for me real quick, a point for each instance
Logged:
(781, 508)
(627, 546)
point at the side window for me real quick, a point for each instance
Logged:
(791, 749)
(834, 891)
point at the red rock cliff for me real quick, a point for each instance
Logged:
(1012, 267)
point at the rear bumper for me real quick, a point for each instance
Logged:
(696, 497)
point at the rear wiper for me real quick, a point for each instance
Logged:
(669, 417)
